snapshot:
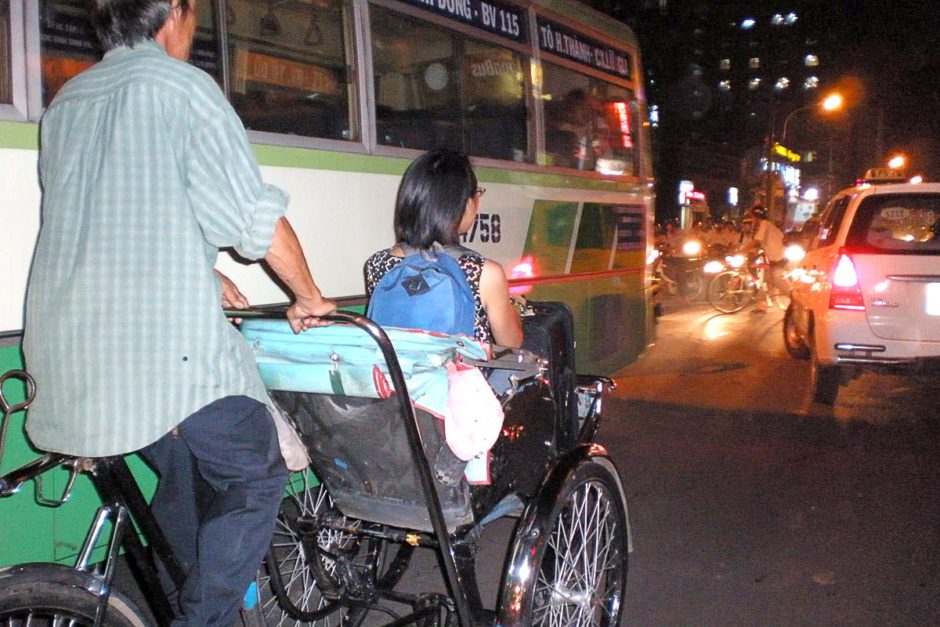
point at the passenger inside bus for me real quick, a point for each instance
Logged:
(438, 200)
(569, 136)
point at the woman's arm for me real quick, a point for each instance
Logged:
(504, 319)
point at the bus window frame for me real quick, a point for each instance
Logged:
(352, 45)
(466, 30)
(635, 85)
(18, 109)
(27, 90)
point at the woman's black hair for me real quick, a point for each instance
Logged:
(432, 198)
(129, 22)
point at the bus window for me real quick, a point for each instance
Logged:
(6, 60)
(435, 88)
(495, 113)
(292, 68)
(205, 51)
(69, 44)
(589, 124)
(609, 236)
(594, 244)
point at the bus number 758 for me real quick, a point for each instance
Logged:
(485, 229)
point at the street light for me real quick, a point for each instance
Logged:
(897, 162)
(832, 102)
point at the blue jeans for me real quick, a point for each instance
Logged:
(221, 482)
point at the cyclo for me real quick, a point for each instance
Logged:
(384, 485)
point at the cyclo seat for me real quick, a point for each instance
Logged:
(333, 383)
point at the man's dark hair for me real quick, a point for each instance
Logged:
(432, 198)
(129, 22)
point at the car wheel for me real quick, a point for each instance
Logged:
(795, 344)
(825, 379)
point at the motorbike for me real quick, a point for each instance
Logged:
(678, 274)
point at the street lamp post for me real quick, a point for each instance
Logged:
(832, 102)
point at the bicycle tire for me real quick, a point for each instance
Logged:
(728, 291)
(39, 603)
(692, 286)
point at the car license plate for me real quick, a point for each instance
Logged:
(933, 299)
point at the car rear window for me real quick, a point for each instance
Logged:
(897, 224)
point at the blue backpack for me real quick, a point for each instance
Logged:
(428, 290)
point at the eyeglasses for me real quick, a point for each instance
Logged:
(480, 191)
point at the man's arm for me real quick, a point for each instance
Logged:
(286, 258)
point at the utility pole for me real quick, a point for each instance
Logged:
(770, 182)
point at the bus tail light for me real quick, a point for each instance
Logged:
(525, 269)
(846, 292)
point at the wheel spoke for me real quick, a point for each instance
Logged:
(581, 569)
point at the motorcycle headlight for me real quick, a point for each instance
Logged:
(735, 261)
(692, 248)
(653, 256)
(713, 267)
(794, 253)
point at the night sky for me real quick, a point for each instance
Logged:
(893, 49)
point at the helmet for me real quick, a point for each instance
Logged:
(759, 211)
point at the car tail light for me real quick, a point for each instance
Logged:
(846, 292)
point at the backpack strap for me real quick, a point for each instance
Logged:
(451, 250)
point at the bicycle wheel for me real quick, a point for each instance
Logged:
(729, 291)
(307, 559)
(28, 601)
(578, 554)
(692, 285)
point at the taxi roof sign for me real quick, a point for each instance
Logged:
(884, 175)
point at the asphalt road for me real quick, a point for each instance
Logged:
(750, 506)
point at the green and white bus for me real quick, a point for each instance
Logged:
(338, 96)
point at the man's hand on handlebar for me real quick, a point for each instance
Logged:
(232, 297)
(305, 313)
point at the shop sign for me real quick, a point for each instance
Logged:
(786, 153)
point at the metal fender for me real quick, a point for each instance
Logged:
(51, 573)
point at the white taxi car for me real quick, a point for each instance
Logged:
(867, 294)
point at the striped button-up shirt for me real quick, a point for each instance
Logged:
(146, 173)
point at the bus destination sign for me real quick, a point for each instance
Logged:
(566, 43)
(501, 19)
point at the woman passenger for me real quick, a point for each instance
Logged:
(438, 200)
